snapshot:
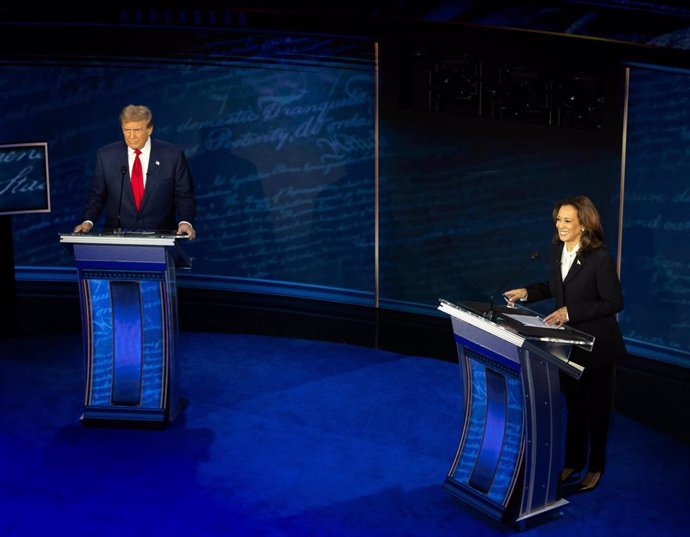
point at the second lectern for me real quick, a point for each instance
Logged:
(508, 460)
(127, 286)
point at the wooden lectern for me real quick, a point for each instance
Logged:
(509, 457)
(129, 322)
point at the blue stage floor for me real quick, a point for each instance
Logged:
(285, 437)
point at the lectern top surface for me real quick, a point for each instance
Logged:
(128, 246)
(143, 238)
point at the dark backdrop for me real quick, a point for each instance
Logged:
(477, 140)
(656, 227)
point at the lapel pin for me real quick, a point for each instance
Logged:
(158, 163)
(578, 262)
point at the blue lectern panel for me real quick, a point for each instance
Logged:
(508, 463)
(155, 343)
(474, 427)
(490, 453)
(494, 432)
(129, 347)
(127, 342)
(101, 320)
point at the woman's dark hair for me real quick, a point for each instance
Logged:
(593, 234)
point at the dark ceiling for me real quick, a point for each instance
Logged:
(650, 22)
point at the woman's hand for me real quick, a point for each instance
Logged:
(515, 294)
(557, 318)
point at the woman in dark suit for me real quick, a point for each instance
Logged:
(584, 284)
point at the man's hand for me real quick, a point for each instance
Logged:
(84, 227)
(185, 229)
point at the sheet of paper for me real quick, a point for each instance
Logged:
(529, 320)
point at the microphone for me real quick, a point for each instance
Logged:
(123, 171)
(491, 313)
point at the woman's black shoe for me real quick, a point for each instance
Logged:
(569, 476)
(589, 482)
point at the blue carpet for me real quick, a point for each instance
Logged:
(285, 437)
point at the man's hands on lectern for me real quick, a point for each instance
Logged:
(183, 229)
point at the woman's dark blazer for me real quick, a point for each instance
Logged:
(592, 293)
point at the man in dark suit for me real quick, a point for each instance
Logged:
(141, 183)
(584, 284)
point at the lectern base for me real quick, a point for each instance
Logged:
(112, 413)
(115, 417)
(479, 502)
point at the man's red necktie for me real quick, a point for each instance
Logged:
(137, 180)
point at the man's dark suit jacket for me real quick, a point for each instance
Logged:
(168, 195)
(592, 293)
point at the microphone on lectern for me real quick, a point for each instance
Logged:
(123, 171)
(491, 313)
